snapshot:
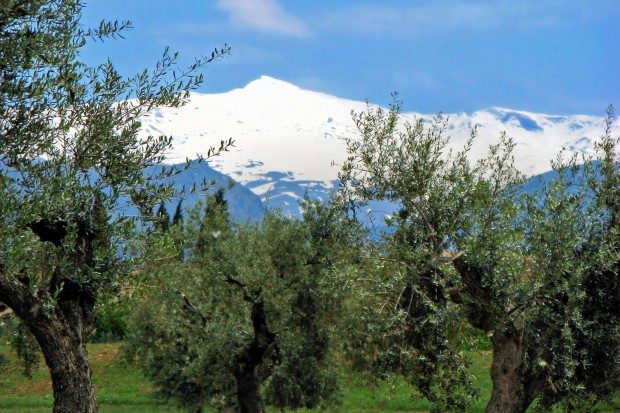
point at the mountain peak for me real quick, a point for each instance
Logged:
(265, 82)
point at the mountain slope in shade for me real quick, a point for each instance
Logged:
(243, 204)
(290, 141)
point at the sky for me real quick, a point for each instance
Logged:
(549, 56)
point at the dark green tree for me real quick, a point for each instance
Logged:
(70, 158)
(248, 308)
(162, 218)
(177, 218)
(219, 199)
(216, 215)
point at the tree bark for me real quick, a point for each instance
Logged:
(251, 359)
(514, 389)
(62, 333)
(66, 358)
(513, 392)
(256, 355)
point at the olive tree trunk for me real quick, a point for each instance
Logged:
(248, 393)
(513, 391)
(61, 332)
(254, 356)
(508, 390)
(514, 388)
(65, 356)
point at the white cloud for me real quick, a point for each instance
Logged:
(266, 16)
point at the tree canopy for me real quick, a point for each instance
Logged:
(467, 244)
(249, 305)
(71, 161)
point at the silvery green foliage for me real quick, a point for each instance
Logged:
(408, 324)
(581, 358)
(70, 154)
(540, 271)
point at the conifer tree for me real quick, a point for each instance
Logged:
(177, 218)
(162, 218)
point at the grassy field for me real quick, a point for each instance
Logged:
(121, 388)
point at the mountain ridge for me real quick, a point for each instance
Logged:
(291, 141)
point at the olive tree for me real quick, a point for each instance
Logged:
(537, 273)
(248, 309)
(406, 319)
(71, 161)
(540, 274)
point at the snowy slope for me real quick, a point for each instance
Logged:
(287, 138)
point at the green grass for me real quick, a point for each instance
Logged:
(115, 382)
(121, 388)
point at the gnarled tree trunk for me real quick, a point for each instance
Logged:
(253, 357)
(513, 387)
(248, 392)
(62, 332)
(65, 355)
(513, 391)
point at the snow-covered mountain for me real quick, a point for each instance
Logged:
(289, 140)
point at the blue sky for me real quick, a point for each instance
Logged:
(554, 56)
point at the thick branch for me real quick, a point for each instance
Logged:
(479, 295)
(4, 310)
(253, 358)
(187, 305)
(244, 287)
(50, 231)
(15, 294)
